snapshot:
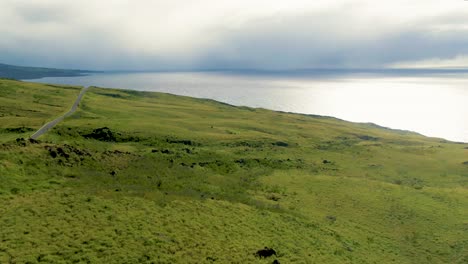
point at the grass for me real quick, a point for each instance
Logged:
(157, 178)
(25, 107)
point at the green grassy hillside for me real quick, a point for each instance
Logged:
(138, 177)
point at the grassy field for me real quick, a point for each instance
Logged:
(138, 177)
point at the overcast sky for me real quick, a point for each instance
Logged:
(221, 34)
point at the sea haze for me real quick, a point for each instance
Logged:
(433, 103)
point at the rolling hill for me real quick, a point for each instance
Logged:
(20, 72)
(141, 177)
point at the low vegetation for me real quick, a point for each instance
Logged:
(139, 177)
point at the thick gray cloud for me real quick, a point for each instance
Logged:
(335, 39)
(148, 34)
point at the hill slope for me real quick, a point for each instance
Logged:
(21, 72)
(157, 178)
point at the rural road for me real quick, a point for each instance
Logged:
(52, 123)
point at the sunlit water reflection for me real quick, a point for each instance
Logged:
(433, 106)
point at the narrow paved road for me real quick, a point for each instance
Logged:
(51, 124)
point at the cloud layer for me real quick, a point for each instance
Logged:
(216, 34)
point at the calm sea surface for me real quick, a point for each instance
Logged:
(431, 104)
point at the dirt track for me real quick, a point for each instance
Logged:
(52, 123)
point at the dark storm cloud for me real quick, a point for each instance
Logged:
(336, 41)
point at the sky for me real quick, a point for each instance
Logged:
(235, 34)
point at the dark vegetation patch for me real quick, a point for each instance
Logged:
(166, 151)
(407, 143)
(104, 134)
(61, 86)
(367, 138)
(265, 252)
(186, 142)
(219, 166)
(14, 190)
(139, 93)
(339, 143)
(116, 152)
(270, 163)
(255, 144)
(113, 95)
(169, 151)
(465, 163)
(416, 183)
(34, 141)
(21, 141)
(21, 129)
(280, 144)
(66, 154)
(250, 144)
(331, 218)
(53, 105)
(274, 197)
(211, 259)
(188, 151)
